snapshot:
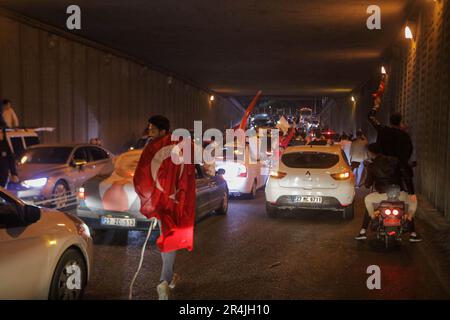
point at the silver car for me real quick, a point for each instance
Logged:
(44, 253)
(50, 174)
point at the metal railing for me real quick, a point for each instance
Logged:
(60, 202)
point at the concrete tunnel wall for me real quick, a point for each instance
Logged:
(85, 90)
(419, 88)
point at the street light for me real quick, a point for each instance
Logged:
(408, 33)
(353, 99)
(211, 98)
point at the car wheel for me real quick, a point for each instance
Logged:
(224, 208)
(271, 211)
(349, 211)
(60, 192)
(70, 277)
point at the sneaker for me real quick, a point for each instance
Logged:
(414, 237)
(163, 291)
(361, 236)
(175, 279)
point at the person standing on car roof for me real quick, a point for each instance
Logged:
(9, 115)
(7, 165)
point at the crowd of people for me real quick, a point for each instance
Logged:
(376, 166)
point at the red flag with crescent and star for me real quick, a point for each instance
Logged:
(167, 192)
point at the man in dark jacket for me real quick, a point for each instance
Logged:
(394, 141)
(7, 165)
(383, 172)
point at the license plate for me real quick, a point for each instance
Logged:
(307, 199)
(391, 222)
(120, 222)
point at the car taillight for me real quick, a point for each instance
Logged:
(242, 171)
(277, 174)
(341, 175)
(81, 194)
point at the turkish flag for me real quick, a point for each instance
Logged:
(167, 192)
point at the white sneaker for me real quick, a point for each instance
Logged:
(175, 279)
(163, 291)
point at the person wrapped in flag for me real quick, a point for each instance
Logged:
(166, 189)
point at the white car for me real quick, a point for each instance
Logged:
(311, 177)
(44, 254)
(243, 176)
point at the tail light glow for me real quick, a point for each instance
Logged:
(277, 174)
(81, 194)
(242, 171)
(341, 176)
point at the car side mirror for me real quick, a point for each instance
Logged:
(79, 163)
(16, 217)
(220, 172)
(31, 214)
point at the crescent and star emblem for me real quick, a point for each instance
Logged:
(157, 161)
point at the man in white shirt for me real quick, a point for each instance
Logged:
(346, 145)
(9, 116)
(358, 153)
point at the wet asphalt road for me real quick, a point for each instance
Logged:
(246, 255)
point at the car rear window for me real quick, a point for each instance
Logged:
(312, 160)
(17, 145)
(47, 155)
(31, 141)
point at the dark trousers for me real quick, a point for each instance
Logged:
(3, 179)
(367, 218)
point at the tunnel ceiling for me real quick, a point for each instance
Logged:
(284, 47)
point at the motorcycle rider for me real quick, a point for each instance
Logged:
(394, 141)
(382, 172)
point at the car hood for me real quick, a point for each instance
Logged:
(29, 171)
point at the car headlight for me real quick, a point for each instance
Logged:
(35, 183)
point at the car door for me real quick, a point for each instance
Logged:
(23, 255)
(101, 162)
(203, 203)
(215, 192)
(83, 173)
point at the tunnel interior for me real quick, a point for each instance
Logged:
(136, 58)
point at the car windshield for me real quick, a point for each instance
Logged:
(46, 155)
(310, 160)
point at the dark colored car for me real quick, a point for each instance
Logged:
(110, 202)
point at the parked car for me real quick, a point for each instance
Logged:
(44, 253)
(110, 202)
(244, 176)
(50, 174)
(311, 177)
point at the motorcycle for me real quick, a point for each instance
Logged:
(391, 218)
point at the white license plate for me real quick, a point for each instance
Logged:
(121, 222)
(307, 199)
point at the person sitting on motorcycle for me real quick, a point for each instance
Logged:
(383, 172)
